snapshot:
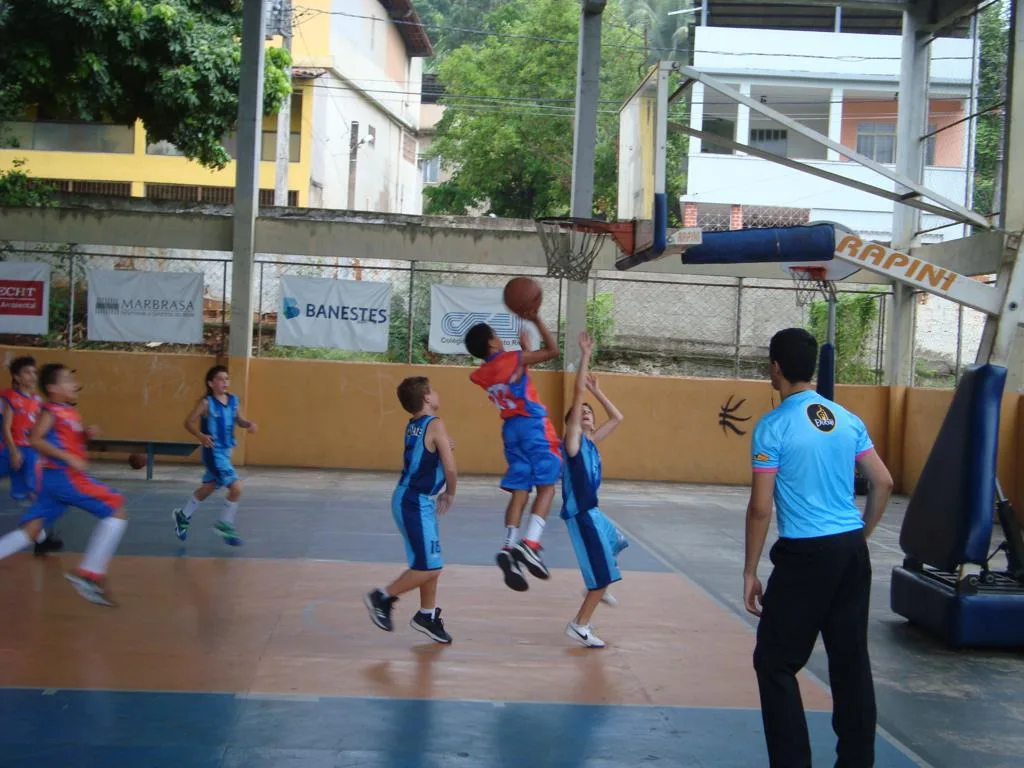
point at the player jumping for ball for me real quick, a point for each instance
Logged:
(62, 442)
(428, 466)
(595, 539)
(532, 447)
(212, 422)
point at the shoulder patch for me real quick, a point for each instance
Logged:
(762, 457)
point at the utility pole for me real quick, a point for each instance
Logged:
(283, 18)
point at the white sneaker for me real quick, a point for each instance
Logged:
(607, 598)
(583, 635)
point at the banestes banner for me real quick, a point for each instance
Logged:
(24, 298)
(125, 305)
(454, 309)
(334, 314)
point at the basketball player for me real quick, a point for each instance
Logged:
(62, 441)
(532, 447)
(595, 539)
(428, 466)
(804, 455)
(212, 422)
(19, 410)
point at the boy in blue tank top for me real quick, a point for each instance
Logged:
(212, 422)
(595, 539)
(428, 468)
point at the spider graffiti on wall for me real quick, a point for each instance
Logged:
(727, 415)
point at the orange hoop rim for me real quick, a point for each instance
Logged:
(622, 232)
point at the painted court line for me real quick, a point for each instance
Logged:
(902, 748)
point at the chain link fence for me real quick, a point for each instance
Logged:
(657, 324)
(947, 336)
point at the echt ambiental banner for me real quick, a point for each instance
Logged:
(24, 298)
(125, 305)
(454, 309)
(334, 314)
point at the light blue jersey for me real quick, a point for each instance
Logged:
(412, 503)
(581, 479)
(219, 424)
(812, 445)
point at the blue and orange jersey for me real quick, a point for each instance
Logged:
(422, 470)
(67, 434)
(219, 422)
(23, 411)
(508, 385)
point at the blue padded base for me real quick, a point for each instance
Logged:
(980, 620)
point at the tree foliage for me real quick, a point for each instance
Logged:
(507, 131)
(856, 317)
(174, 64)
(666, 37)
(453, 23)
(993, 31)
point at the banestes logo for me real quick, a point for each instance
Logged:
(291, 308)
(821, 417)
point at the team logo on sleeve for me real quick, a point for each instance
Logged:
(821, 417)
(762, 457)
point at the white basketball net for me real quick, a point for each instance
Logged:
(570, 251)
(811, 284)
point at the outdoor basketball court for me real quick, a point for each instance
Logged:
(265, 655)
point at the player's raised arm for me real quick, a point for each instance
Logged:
(573, 426)
(437, 433)
(550, 349)
(615, 416)
(200, 409)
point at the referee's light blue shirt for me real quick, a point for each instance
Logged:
(811, 444)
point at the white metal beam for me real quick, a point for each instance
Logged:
(952, 210)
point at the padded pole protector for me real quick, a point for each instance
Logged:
(810, 242)
(948, 522)
(827, 371)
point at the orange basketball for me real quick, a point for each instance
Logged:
(137, 461)
(523, 295)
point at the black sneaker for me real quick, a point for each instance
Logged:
(530, 557)
(514, 578)
(380, 609)
(52, 543)
(431, 626)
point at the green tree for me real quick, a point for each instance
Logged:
(856, 315)
(507, 132)
(174, 64)
(665, 37)
(454, 23)
(18, 189)
(993, 31)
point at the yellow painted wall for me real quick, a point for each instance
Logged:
(140, 168)
(346, 415)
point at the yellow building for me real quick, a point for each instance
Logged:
(353, 137)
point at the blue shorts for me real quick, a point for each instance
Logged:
(219, 470)
(596, 541)
(24, 481)
(532, 450)
(416, 518)
(62, 489)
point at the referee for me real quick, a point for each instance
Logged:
(804, 455)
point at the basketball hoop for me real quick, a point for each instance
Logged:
(811, 282)
(571, 244)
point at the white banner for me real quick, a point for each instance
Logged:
(334, 314)
(125, 305)
(24, 297)
(454, 309)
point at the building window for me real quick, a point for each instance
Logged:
(774, 140)
(877, 141)
(268, 147)
(718, 126)
(431, 169)
(59, 136)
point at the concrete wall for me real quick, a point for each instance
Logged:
(346, 415)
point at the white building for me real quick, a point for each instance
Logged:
(366, 102)
(836, 71)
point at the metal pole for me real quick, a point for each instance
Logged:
(250, 113)
(584, 142)
(71, 299)
(412, 283)
(738, 337)
(284, 116)
(259, 315)
(223, 306)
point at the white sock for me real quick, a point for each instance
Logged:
(105, 538)
(41, 537)
(190, 507)
(15, 541)
(510, 535)
(427, 611)
(535, 529)
(384, 593)
(230, 510)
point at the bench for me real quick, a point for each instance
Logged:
(150, 447)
